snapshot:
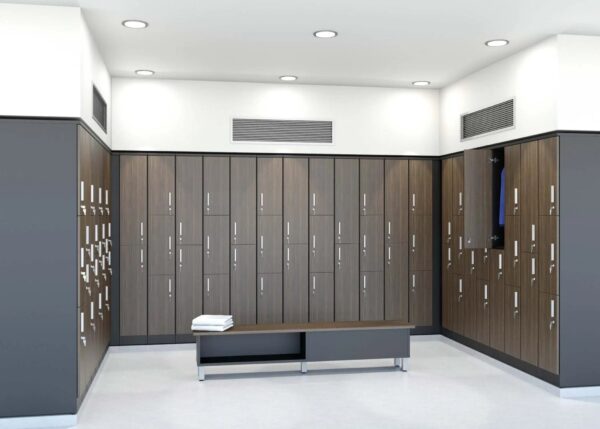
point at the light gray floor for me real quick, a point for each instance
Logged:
(447, 386)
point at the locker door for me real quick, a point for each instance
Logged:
(188, 291)
(371, 243)
(106, 167)
(346, 283)
(321, 297)
(189, 200)
(447, 315)
(548, 254)
(161, 245)
(269, 304)
(497, 305)
(321, 197)
(216, 294)
(447, 198)
(483, 312)
(458, 304)
(548, 346)
(321, 244)
(84, 170)
(512, 247)
(346, 200)
(420, 243)
(478, 198)
(529, 309)
(396, 201)
(512, 173)
(371, 295)
(512, 320)
(133, 291)
(420, 187)
(484, 264)
(216, 245)
(420, 298)
(548, 180)
(269, 244)
(133, 200)
(295, 200)
(243, 200)
(371, 187)
(269, 186)
(458, 185)
(161, 185)
(161, 307)
(216, 186)
(529, 197)
(295, 283)
(396, 282)
(458, 246)
(243, 284)
(470, 298)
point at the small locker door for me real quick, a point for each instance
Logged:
(243, 200)
(483, 263)
(548, 254)
(420, 284)
(216, 294)
(548, 346)
(458, 185)
(483, 312)
(216, 245)
(396, 201)
(447, 199)
(295, 283)
(269, 172)
(189, 200)
(529, 197)
(512, 320)
(458, 303)
(458, 246)
(529, 309)
(371, 187)
(420, 187)
(295, 200)
(188, 291)
(346, 200)
(269, 305)
(497, 295)
(269, 244)
(321, 195)
(346, 283)
(243, 284)
(512, 174)
(134, 291)
(133, 200)
(470, 292)
(420, 243)
(512, 249)
(396, 282)
(371, 295)
(161, 308)
(321, 244)
(161, 245)
(321, 297)
(548, 180)
(216, 186)
(161, 185)
(371, 243)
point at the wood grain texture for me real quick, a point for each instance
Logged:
(243, 283)
(321, 191)
(548, 152)
(321, 247)
(188, 292)
(216, 245)
(269, 246)
(133, 199)
(420, 284)
(295, 200)
(295, 283)
(512, 322)
(396, 201)
(512, 173)
(497, 300)
(243, 200)
(188, 203)
(549, 255)
(458, 185)
(161, 305)
(371, 187)
(269, 302)
(512, 251)
(216, 294)
(321, 301)
(396, 282)
(346, 200)
(371, 243)
(478, 198)
(216, 186)
(549, 333)
(529, 309)
(346, 283)
(420, 187)
(529, 196)
(161, 185)
(269, 186)
(371, 295)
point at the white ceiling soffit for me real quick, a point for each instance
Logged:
(380, 42)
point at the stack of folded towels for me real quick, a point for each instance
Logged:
(212, 322)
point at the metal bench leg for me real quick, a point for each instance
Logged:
(398, 362)
(201, 374)
(303, 367)
(404, 366)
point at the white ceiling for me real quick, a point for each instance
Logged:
(380, 43)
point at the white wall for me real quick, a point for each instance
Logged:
(195, 116)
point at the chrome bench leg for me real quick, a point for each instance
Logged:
(201, 374)
(303, 367)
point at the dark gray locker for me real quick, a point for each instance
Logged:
(321, 244)
(188, 291)
(420, 245)
(161, 185)
(346, 200)
(371, 243)
(396, 282)
(371, 187)
(346, 283)
(420, 283)
(216, 294)
(269, 246)
(269, 305)
(161, 245)
(188, 203)
(216, 245)
(321, 199)
(269, 185)
(133, 199)
(243, 200)
(161, 305)
(420, 184)
(396, 201)
(243, 284)
(295, 200)
(133, 291)
(321, 297)
(371, 295)
(216, 186)
(295, 283)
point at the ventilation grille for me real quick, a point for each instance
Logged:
(282, 131)
(493, 118)
(99, 110)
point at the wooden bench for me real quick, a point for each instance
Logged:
(306, 342)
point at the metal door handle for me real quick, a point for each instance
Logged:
(180, 231)
(142, 231)
(314, 287)
(314, 202)
(208, 285)
(339, 230)
(234, 231)
(414, 202)
(551, 268)
(262, 201)
(261, 285)
(208, 201)
(180, 258)
(170, 202)
(170, 246)
(83, 340)
(552, 323)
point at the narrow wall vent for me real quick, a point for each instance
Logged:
(99, 109)
(281, 131)
(490, 119)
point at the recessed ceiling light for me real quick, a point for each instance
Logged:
(144, 72)
(325, 34)
(496, 43)
(421, 83)
(135, 24)
(288, 78)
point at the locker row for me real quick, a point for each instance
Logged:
(93, 176)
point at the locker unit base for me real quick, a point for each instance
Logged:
(304, 343)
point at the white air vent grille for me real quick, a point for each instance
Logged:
(493, 118)
(282, 131)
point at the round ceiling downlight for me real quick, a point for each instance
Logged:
(136, 24)
(144, 72)
(288, 78)
(496, 43)
(421, 83)
(325, 34)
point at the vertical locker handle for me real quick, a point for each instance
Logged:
(552, 194)
(364, 200)
(170, 199)
(340, 254)
(365, 241)
(414, 281)
(81, 319)
(208, 242)
(472, 257)
(262, 283)
(288, 228)
(181, 230)
(103, 231)
(500, 261)
(314, 281)
(142, 230)
(314, 199)
(170, 243)
(485, 292)
(533, 232)
(92, 310)
(170, 286)
(106, 196)
(460, 285)
(81, 258)
(449, 228)
(262, 242)
(389, 253)
(262, 200)
(516, 299)
(288, 254)
(364, 282)
(96, 232)
(314, 242)
(414, 241)
(208, 199)
(516, 248)
(516, 196)
(92, 193)
(142, 256)
(460, 242)
(109, 233)
(449, 254)
(234, 228)
(460, 199)
(533, 266)
(389, 228)
(340, 228)
(235, 255)
(87, 234)
(552, 309)
(414, 201)
(99, 195)
(208, 284)
(106, 293)
(82, 190)
(180, 256)
(552, 255)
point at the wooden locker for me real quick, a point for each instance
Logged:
(371, 295)
(447, 295)
(321, 297)
(84, 170)
(470, 299)
(295, 283)
(295, 200)
(321, 174)
(549, 331)
(133, 200)
(396, 201)
(512, 322)
(346, 283)
(512, 174)
(548, 177)
(529, 196)
(269, 186)
(188, 290)
(269, 302)
(484, 263)
(243, 200)
(396, 282)
(458, 305)
(371, 243)
(458, 185)
(371, 187)
(549, 255)
(458, 246)
(420, 187)
(216, 294)
(420, 283)
(161, 245)
(216, 245)
(133, 291)
(216, 186)
(161, 308)
(420, 234)
(243, 284)
(161, 185)
(482, 330)
(346, 200)
(188, 204)
(269, 248)
(497, 297)
(447, 198)
(447, 259)
(321, 244)
(107, 180)
(529, 309)
(478, 198)
(512, 251)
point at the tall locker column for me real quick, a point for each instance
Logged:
(459, 254)
(448, 254)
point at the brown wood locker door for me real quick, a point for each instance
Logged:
(420, 184)
(295, 200)
(420, 283)
(512, 322)
(371, 295)
(447, 314)
(497, 297)
(458, 185)
(134, 291)
(548, 254)
(458, 305)
(243, 284)
(107, 180)
(161, 245)
(346, 200)
(458, 245)
(216, 294)
(269, 302)
(529, 197)
(483, 264)
(321, 244)
(216, 245)
(321, 297)
(371, 187)
(84, 170)
(161, 305)
(346, 283)
(548, 180)
(478, 198)
(396, 282)
(269, 258)
(83, 354)
(295, 283)
(188, 189)
(448, 257)
(529, 309)
(470, 298)
(548, 344)
(133, 200)
(269, 186)
(447, 197)
(371, 243)
(321, 195)
(512, 251)
(243, 200)
(216, 186)
(420, 234)
(188, 290)
(483, 312)
(396, 201)
(161, 185)
(512, 173)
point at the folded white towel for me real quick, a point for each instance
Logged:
(213, 320)
(211, 328)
